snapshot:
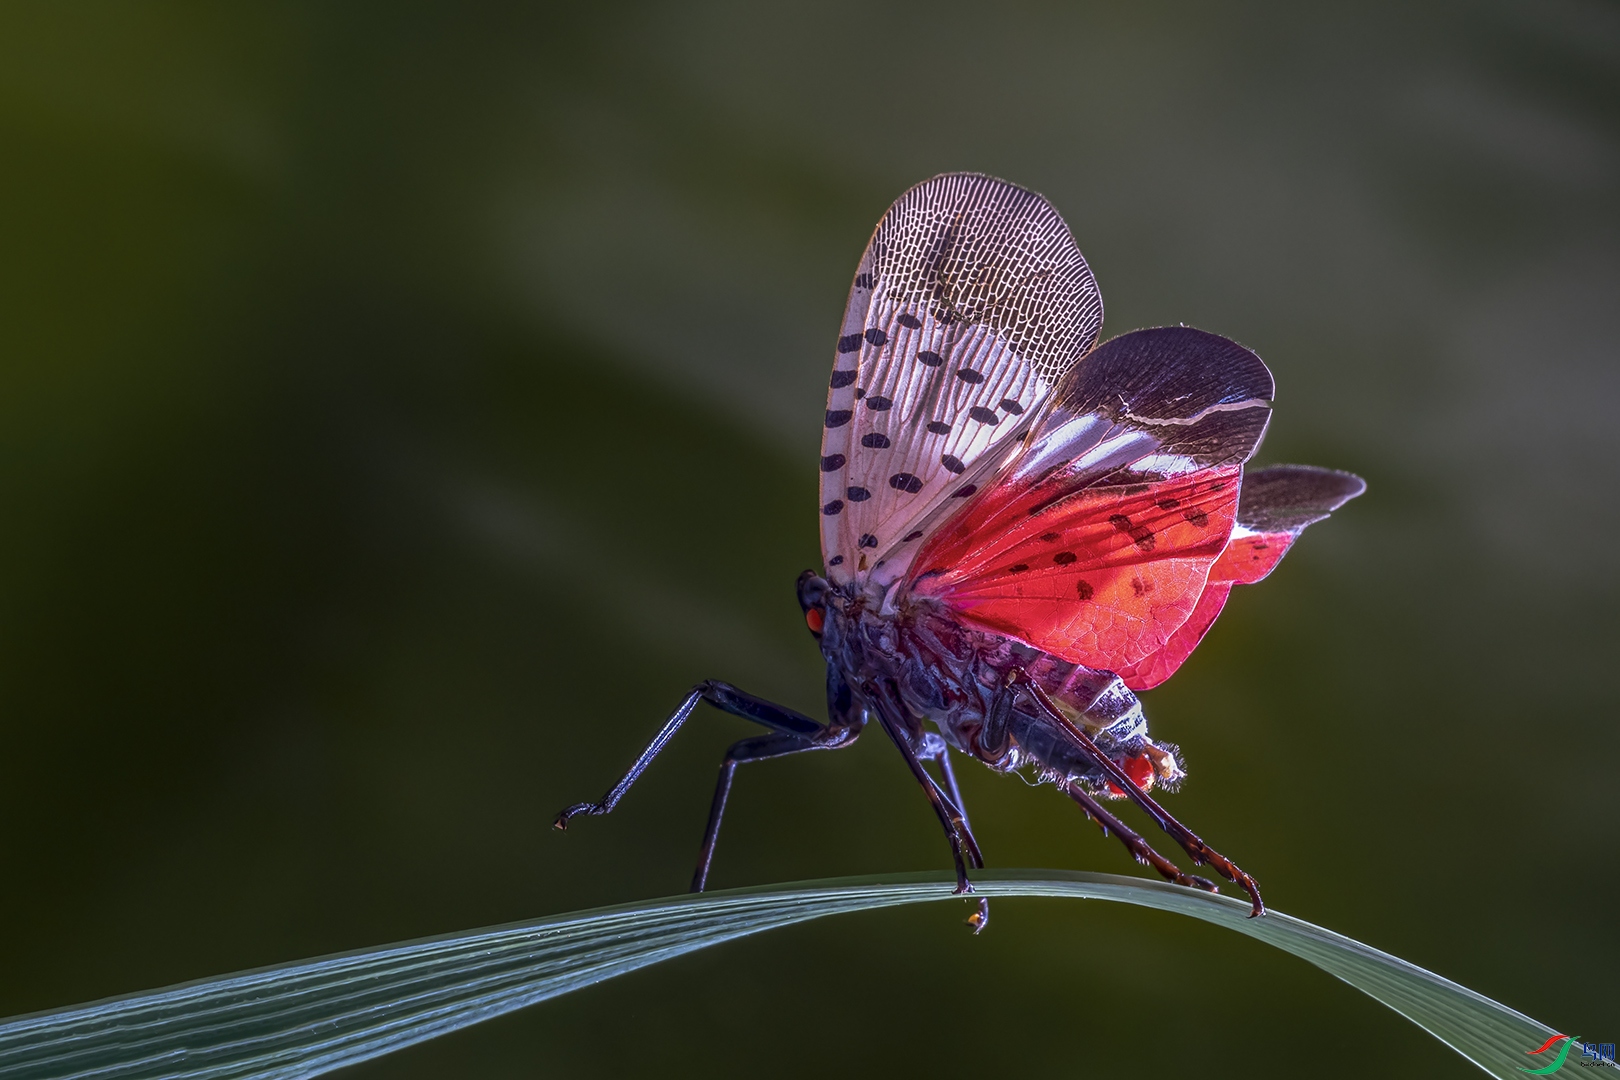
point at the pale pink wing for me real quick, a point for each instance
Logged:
(970, 302)
(1094, 543)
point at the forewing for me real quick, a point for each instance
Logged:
(1276, 505)
(970, 302)
(1095, 542)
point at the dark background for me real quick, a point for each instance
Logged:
(403, 404)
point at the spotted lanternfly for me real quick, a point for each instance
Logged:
(1020, 531)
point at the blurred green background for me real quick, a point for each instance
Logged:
(404, 404)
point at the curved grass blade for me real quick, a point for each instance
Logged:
(305, 1018)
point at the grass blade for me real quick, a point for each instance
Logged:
(305, 1018)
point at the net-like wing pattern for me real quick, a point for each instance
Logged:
(971, 300)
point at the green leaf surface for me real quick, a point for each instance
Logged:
(305, 1018)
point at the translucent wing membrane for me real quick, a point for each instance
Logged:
(970, 302)
(1096, 540)
(1286, 498)
(1276, 505)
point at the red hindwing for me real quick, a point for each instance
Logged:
(1248, 558)
(1103, 577)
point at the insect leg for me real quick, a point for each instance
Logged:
(937, 749)
(1140, 849)
(994, 739)
(722, 696)
(1190, 842)
(950, 817)
(758, 748)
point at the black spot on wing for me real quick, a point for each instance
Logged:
(838, 417)
(875, 440)
(930, 359)
(848, 343)
(879, 403)
(1086, 591)
(867, 541)
(953, 463)
(834, 507)
(1012, 406)
(1140, 535)
(904, 481)
(938, 427)
(908, 320)
(984, 415)
(841, 379)
(968, 375)
(964, 491)
(875, 336)
(1064, 558)
(836, 560)
(857, 494)
(833, 462)
(910, 536)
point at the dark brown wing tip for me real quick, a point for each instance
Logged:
(1286, 498)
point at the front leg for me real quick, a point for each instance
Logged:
(759, 748)
(722, 696)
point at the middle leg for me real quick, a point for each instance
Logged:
(889, 712)
(936, 749)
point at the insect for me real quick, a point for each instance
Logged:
(1021, 529)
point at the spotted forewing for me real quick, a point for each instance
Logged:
(970, 302)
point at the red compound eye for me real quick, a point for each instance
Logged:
(1139, 769)
(814, 620)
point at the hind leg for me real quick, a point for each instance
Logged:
(1191, 843)
(1139, 848)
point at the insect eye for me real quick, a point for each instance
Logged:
(814, 620)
